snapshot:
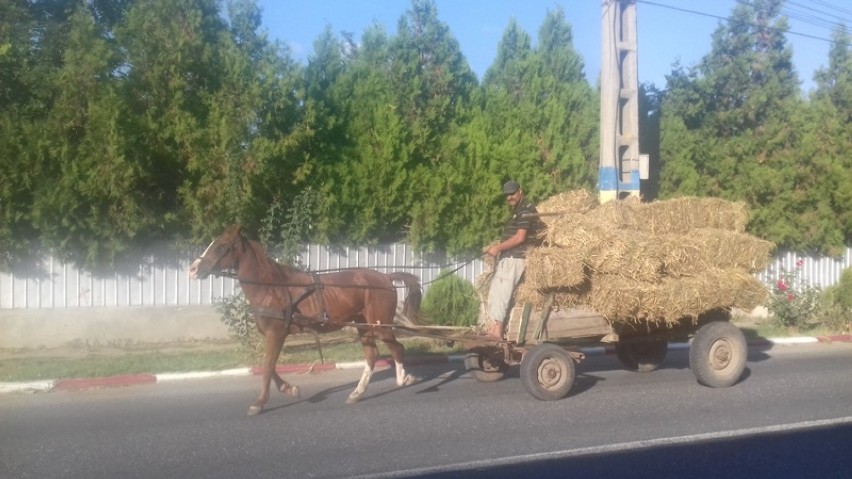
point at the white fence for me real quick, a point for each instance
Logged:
(161, 280)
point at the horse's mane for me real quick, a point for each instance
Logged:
(267, 265)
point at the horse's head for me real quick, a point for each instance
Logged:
(221, 255)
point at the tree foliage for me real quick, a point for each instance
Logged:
(736, 127)
(126, 122)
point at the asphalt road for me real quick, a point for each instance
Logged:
(790, 416)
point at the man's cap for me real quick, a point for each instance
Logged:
(510, 187)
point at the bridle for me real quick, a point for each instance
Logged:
(231, 273)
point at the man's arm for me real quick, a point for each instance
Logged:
(517, 239)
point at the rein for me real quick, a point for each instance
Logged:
(444, 274)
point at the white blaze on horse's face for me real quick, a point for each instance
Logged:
(207, 250)
(193, 268)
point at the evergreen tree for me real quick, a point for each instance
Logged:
(835, 81)
(407, 95)
(431, 78)
(363, 188)
(514, 49)
(543, 109)
(22, 94)
(91, 203)
(830, 134)
(248, 145)
(733, 128)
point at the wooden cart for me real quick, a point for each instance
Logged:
(548, 344)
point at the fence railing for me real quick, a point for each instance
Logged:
(161, 279)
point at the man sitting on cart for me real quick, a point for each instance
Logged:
(510, 254)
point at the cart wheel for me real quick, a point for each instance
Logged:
(547, 372)
(717, 356)
(486, 366)
(642, 356)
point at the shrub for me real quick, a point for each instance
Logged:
(793, 302)
(843, 290)
(236, 315)
(836, 305)
(451, 301)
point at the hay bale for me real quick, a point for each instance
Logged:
(574, 231)
(679, 215)
(702, 248)
(554, 267)
(621, 299)
(638, 262)
(626, 253)
(602, 249)
(615, 215)
(563, 297)
(576, 201)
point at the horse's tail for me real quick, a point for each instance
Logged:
(411, 304)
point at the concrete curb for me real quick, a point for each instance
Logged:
(79, 384)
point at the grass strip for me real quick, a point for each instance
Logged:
(98, 364)
(176, 359)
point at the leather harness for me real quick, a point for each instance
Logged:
(293, 304)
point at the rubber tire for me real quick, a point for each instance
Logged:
(718, 354)
(547, 372)
(481, 367)
(642, 356)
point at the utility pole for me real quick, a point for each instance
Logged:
(620, 162)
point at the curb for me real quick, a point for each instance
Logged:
(79, 384)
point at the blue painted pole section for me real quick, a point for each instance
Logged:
(633, 184)
(607, 183)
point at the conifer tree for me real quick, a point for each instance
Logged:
(732, 127)
(829, 136)
(408, 93)
(543, 109)
(91, 204)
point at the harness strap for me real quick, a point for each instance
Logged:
(293, 305)
(319, 289)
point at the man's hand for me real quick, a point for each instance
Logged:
(492, 250)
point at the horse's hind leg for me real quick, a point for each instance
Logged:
(370, 353)
(284, 386)
(397, 351)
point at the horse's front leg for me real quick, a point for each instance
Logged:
(370, 352)
(274, 335)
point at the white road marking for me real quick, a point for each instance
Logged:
(612, 448)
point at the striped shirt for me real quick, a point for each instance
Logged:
(520, 221)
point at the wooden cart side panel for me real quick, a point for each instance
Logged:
(570, 323)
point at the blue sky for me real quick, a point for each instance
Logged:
(665, 35)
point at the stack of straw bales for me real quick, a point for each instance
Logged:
(633, 262)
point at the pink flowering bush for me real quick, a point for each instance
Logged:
(793, 303)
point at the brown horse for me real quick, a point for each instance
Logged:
(285, 300)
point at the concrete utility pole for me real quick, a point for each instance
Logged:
(620, 160)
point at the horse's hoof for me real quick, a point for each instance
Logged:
(409, 380)
(353, 399)
(255, 410)
(293, 391)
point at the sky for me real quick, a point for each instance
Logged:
(665, 35)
